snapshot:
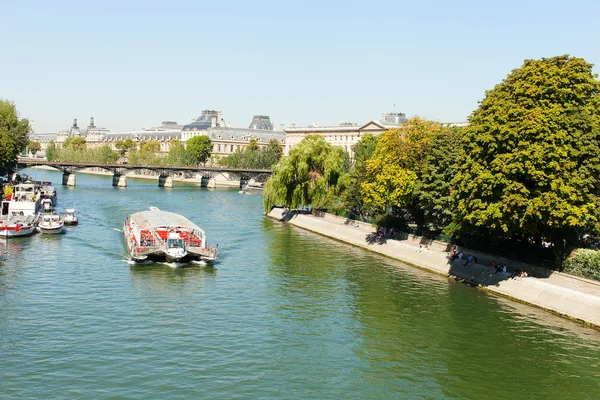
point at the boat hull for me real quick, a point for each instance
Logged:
(10, 231)
(51, 230)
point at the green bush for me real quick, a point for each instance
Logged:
(583, 262)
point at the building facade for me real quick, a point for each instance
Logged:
(344, 135)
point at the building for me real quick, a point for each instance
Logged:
(227, 140)
(345, 134)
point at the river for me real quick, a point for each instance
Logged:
(286, 314)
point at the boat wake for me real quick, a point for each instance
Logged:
(118, 230)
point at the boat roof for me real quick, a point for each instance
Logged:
(157, 218)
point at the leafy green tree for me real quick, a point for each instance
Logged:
(199, 148)
(531, 157)
(13, 135)
(125, 146)
(106, 155)
(352, 196)
(253, 145)
(309, 175)
(150, 147)
(76, 143)
(177, 154)
(34, 146)
(51, 151)
(433, 189)
(397, 163)
(275, 147)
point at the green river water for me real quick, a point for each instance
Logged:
(286, 314)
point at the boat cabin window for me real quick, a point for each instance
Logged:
(175, 243)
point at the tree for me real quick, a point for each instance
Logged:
(253, 145)
(396, 165)
(199, 148)
(106, 155)
(531, 156)
(177, 153)
(34, 146)
(51, 151)
(150, 147)
(76, 143)
(275, 147)
(352, 196)
(13, 135)
(307, 176)
(433, 189)
(124, 146)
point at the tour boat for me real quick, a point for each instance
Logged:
(157, 235)
(69, 218)
(51, 224)
(19, 213)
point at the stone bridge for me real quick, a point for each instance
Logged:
(209, 176)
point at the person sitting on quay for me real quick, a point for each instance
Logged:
(471, 259)
(493, 266)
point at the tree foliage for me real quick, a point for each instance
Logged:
(352, 196)
(125, 146)
(254, 157)
(75, 142)
(309, 175)
(13, 135)
(34, 146)
(531, 156)
(397, 163)
(51, 151)
(199, 148)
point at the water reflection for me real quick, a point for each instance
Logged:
(167, 277)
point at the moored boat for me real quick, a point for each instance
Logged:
(19, 213)
(51, 224)
(158, 235)
(69, 218)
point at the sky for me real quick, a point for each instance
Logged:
(133, 64)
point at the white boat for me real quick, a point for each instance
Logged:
(48, 191)
(253, 187)
(51, 224)
(19, 213)
(69, 218)
(157, 235)
(47, 204)
(18, 225)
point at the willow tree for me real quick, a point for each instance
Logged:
(307, 176)
(531, 158)
(13, 135)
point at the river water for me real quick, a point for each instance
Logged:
(285, 314)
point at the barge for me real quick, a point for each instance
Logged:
(157, 235)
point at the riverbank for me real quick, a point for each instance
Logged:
(569, 296)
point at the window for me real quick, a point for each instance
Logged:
(231, 151)
(219, 148)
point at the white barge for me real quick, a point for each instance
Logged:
(157, 235)
(19, 213)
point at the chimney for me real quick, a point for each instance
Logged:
(281, 127)
(293, 125)
(213, 121)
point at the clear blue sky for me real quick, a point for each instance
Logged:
(133, 64)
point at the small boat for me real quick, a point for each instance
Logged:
(51, 224)
(157, 235)
(253, 187)
(47, 191)
(69, 218)
(47, 204)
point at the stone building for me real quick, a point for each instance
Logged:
(345, 134)
(227, 140)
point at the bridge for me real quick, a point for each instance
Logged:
(209, 176)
